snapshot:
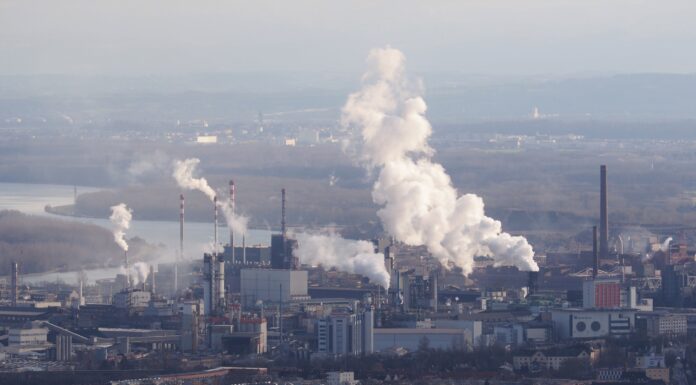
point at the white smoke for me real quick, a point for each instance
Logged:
(120, 218)
(148, 164)
(419, 205)
(332, 251)
(183, 174)
(140, 272)
(664, 247)
(137, 272)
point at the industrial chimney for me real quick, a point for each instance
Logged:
(15, 282)
(595, 256)
(215, 228)
(152, 279)
(532, 282)
(181, 243)
(282, 218)
(603, 215)
(232, 208)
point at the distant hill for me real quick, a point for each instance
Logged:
(42, 244)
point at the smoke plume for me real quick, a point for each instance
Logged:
(664, 247)
(419, 205)
(140, 272)
(332, 251)
(183, 174)
(120, 218)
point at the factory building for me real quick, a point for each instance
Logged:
(572, 323)
(132, 299)
(411, 339)
(663, 324)
(342, 334)
(601, 293)
(271, 285)
(213, 283)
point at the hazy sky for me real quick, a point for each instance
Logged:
(509, 37)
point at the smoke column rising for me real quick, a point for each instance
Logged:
(332, 251)
(419, 204)
(120, 218)
(183, 174)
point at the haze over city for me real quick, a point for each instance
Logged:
(225, 192)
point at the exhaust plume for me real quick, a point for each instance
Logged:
(664, 247)
(120, 218)
(183, 174)
(330, 250)
(140, 272)
(419, 204)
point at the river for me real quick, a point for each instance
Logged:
(198, 237)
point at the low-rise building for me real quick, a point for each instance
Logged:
(412, 339)
(658, 324)
(340, 378)
(573, 323)
(551, 359)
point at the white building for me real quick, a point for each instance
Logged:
(128, 299)
(340, 378)
(345, 334)
(552, 359)
(665, 324)
(28, 337)
(474, 329)
(272, 285)
(571, 323)
(257, 326)
(412, 339)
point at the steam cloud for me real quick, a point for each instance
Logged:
(330, 250)
(419, 205)
(138, 272)
(183, 174)
(664, 247)
(120, 218)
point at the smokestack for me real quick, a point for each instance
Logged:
(282, 218)
(243, 249)
(215, 231)
(595, 256)
(181, 243)
(128, 279)
(81, 300)
(532, 282)
(604, 215)
(152, 279)
(15, 282)
(232, 204)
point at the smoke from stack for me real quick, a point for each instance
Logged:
(419, 205)
(183, 173)
(332, 251)
(120, 218)
(664, 247)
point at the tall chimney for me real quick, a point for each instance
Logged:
(181, 243)
(152, 279)
(604, 215)
(215, 230)
(232, 204)
(15, 282)
(595, 256)
(282, 218)
(128, 278)
(243, 249)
